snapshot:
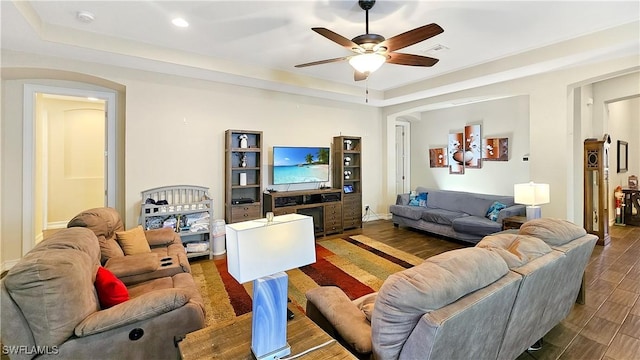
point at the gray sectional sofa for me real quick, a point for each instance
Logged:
(454, 214)
(491, 301)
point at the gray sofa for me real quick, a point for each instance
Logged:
(454, 214)
(51, 308)
(491, 301)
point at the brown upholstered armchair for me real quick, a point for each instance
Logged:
(51, 308)
(166, 255)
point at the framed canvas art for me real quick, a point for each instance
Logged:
(438, 157)
(495, 149)
(456, 153)
(472, 147)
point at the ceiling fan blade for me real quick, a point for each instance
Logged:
(411, 37)
(323, 61)
(410, 59)
(358, 76)
(337, 38)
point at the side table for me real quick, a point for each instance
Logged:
(513, 222)
(231, 339)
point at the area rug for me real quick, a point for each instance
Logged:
(357, 264)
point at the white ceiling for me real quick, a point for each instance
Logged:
(257, 43)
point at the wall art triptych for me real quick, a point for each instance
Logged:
(467, 150)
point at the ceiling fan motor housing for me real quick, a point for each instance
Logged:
(366, 4)
(368, 41)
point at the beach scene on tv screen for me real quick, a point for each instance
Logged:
(293, 165)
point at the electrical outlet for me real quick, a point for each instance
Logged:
(366, 208)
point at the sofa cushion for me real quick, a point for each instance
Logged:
(476, 225)
(103, 221)
(407, 211)
(133, 241)
(109, 248)
(441, 216)
(80, 239)
(555, 232)
(476, 206)
(55, 291)
(162, 237)
(366, 303)
(345, 317)
(111, 291)
(440, 280)
(516, 250)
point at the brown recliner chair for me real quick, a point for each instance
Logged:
(167, 257)
(51, 310)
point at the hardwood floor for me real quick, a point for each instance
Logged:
(606, 327)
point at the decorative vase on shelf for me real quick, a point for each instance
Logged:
(243, 160)
(243, 141)
(347, 144)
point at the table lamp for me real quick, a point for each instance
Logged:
(532, 195)
(261, 251)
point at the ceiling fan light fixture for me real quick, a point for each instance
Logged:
(367, 63)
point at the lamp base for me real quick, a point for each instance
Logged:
(276, 354)
(533, 212)
(269, 318)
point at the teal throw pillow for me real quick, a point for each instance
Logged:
(494, 209)
(422, 199)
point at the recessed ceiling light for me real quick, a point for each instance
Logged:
(180, 22)
(85, 16)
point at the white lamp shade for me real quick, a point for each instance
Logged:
(367, 63)
(531, 193)
(257, 248)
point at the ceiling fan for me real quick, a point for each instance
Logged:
(373, 50)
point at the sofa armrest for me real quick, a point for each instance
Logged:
(130, 265)
(162, 237)
(402, 199)
(345, 317)
(140, 308)
(513, 210)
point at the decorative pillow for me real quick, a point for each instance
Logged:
(133, 241)
(111, 291)
(413, 200)
(494, 210)
(422, 199)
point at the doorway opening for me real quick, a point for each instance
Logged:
(69, 151)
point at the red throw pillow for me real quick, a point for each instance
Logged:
(111, 290)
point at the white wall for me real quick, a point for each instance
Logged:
(174, 134)
(552, 149)
(504, 118)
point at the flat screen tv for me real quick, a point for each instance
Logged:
(294, 165)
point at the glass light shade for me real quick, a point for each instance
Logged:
(367, 63)
(531, 193)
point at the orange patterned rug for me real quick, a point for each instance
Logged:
(357, 264)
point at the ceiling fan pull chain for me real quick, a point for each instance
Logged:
(366, 91)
